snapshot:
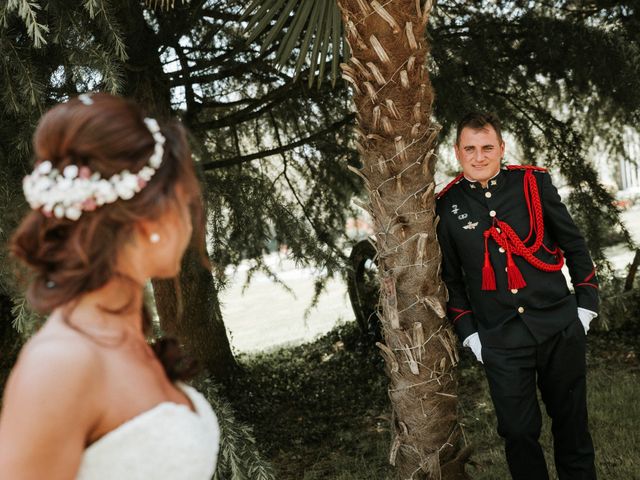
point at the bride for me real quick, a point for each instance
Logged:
(113, 196)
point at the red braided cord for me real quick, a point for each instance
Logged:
(537, 218)
(509, 240)
(534, 204)
(527, 198)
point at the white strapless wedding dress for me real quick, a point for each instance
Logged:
(167, 442)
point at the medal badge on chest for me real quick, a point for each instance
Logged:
(455, 210)
(470, 226)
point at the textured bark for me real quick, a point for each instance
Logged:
(198, 325)
(633, 269)
(393, 98)
(196, 321)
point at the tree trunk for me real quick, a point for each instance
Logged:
(196, 321)
(199, 326)
(633, 269)
(396, 138)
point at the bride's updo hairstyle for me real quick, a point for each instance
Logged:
(106, 135)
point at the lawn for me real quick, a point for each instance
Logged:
(320, 411)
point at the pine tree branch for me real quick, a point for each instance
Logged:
(275, 151)
(254, 109)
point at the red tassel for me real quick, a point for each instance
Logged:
(514, 275)
(488, 275)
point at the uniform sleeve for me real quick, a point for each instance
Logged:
(458, 307)
(565, 232)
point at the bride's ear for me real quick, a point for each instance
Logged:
(147, 232)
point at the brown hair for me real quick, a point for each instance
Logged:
(478, 121)
(69, 258)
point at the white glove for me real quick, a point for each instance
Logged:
(585, 317)
(473, 342)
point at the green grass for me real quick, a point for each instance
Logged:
(320, 411)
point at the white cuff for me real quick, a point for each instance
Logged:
(473, 342)
(468, 340)
(585, 317)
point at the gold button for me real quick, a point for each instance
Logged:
(488, 194)
(515, 290)
(501, 250)
(506, 269)
(492, 213)
(520, 309)
(498, 230)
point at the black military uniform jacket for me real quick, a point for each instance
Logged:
(503, 317)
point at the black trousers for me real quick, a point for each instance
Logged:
(559, 366)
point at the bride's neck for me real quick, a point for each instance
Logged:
(116, 305)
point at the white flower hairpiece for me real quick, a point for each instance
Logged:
(78, 190)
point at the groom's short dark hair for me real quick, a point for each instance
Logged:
(477, 121)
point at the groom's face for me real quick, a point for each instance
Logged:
(479, 151)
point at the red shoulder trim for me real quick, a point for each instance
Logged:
(526, 167)
(449, 185)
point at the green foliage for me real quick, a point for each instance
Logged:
(308, 401)
(161, 3)
(528, 62)
(27, 11)
(619, 308)
(236, 106)
(24, 319)
(320, 411)
(309, 28)
(270, 174)
(47, 54)
(238, 457)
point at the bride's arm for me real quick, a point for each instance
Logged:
(50, 405)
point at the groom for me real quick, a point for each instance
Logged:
(504, 235)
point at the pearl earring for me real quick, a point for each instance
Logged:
(154, 238)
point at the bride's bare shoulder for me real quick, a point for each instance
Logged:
(54, 392)
(57, 358)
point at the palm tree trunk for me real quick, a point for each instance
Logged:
(396, 138)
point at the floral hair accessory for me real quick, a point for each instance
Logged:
(86, 98)
(76, 189)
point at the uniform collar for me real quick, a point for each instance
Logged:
(494, 183)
